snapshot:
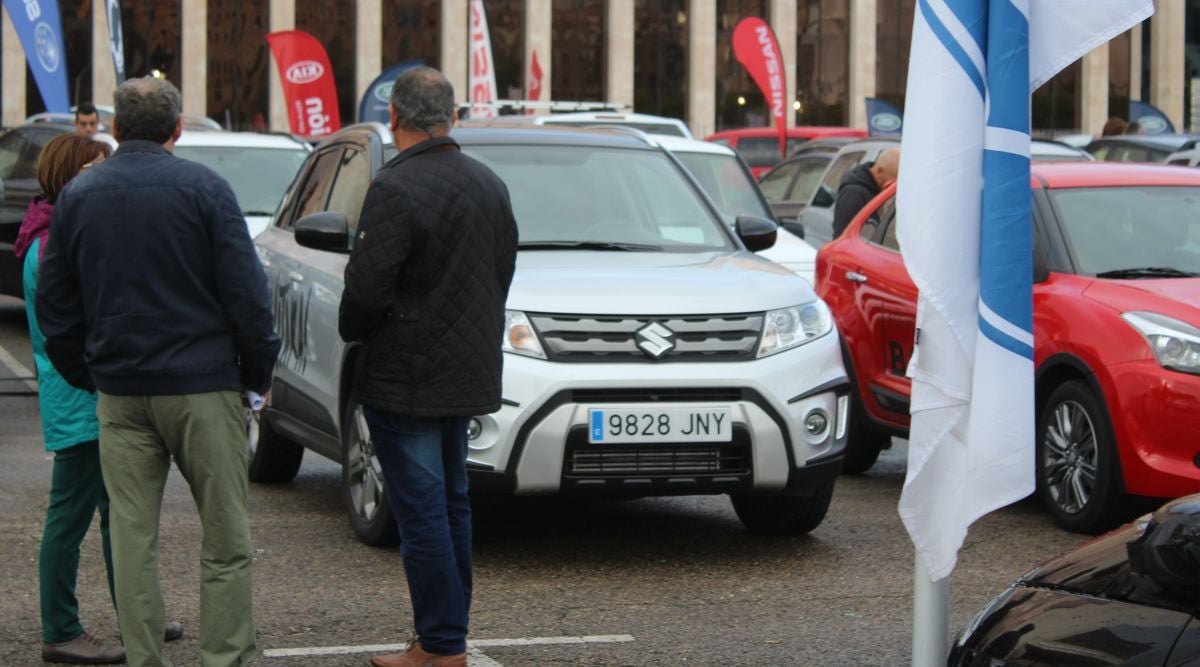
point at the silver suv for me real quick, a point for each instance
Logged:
(649, 350)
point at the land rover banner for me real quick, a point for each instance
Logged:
(40, 32)
(307, 80)
(374, 104)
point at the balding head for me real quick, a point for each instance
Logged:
(422, 101)
(887, 167)
(146, 108)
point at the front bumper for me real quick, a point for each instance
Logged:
(1155, 414)
(537, 443)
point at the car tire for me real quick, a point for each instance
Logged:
(863, 445)
(1078, 470)
(783, 514)
(273, 458)
(363, 487)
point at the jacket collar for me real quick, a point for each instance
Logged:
(445, 143)
(141, 146)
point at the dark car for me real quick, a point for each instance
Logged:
(19, 151)
(790, 184)
(1127, 598)
(759, 146)
(1139, 147)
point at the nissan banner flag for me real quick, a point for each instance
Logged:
(307, 83)
(757, 50)
(482, 83)
(37, 26)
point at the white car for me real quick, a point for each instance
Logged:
(639, 121)
(727, 181)
(259, 166)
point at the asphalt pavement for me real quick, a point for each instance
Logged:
(674, 581)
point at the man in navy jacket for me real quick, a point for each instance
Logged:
(150, 292)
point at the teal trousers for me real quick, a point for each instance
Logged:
(205, 435)
(76, 492)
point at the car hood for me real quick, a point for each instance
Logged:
(1173, 297)
(652, 283)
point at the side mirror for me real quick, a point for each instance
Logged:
(327, 231)
(757, 233)
(792, 225)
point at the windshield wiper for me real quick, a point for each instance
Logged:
(587, 245)
(1147, 272)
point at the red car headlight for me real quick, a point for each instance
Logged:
(1175, 344)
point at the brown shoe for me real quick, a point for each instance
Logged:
(85, 649)
(416, 656)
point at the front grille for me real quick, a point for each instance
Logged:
(668, 395)
(616, 338)
(643, 461)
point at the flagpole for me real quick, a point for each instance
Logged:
(931, 618)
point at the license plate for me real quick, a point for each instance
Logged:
(675, 424)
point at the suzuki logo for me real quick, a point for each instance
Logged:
(655, 340)
(305, 71)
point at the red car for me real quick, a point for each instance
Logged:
(759, 146)
(1116, 334)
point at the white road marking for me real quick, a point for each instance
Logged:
(477, 658)
(17, 368)
(473, 646)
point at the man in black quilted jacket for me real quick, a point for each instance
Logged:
(425, 290)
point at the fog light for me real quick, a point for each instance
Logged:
(474, 428)
(815, 423)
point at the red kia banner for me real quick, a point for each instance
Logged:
(757, 50)
(308, 83)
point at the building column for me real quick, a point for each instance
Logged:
(194, 44)
(1135, 66)
(702, 67)
(368, 52)
(539, 37)
(618, 52)
(455, 33)
(1166, 59)
(104, 73)
(1093, 90)
(282, 15)
(783, 22)
(12, 76)
(862, 60)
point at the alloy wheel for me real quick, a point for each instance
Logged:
(365, 477)
(1069, 457)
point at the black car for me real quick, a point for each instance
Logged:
(1127, 598)
(1139, 147)
(19, 151)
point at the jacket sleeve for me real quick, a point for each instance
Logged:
(242, 288)
(850, 200)
(380, 248)
(59, 307)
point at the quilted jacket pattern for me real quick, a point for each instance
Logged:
(426, 284)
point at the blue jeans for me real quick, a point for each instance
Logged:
(424, 462)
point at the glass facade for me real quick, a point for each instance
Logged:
(410, 31)
(332, 22)
(822, 61)
(152, 33)
(893, 37)
(239, 63)
(579, 33)
(1055, 104)
(506, 25)
(660, 57)
(1118, 78)
(739, 101)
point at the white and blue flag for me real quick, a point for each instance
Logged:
(966, 231)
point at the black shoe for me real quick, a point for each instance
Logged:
(173, 630)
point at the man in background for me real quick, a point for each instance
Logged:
(87, 119)
(861, 184)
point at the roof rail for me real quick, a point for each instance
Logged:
(625, 129)
(512, 107)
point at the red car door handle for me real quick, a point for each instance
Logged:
(855, 277)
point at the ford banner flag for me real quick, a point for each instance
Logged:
(374, 104)
(40, 32)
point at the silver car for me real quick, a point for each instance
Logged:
(649, 351)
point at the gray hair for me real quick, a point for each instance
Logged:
(146, 108)
(424, 100)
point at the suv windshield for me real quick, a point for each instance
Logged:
(723, 178)
(259, 176)
(634, 199)
(1132, 231)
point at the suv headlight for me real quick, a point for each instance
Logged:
(519, 336)
(786, 328)
(1175, 344)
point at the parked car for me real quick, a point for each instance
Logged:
(1116, 334)
(634, 310)
(726, 179)
(1186, 157)
(639, 121)
(759, 146)
(259, 166)
(1139, 147)
(192, 122)
(1127, 598)
(19, 151)
(1041, 150)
